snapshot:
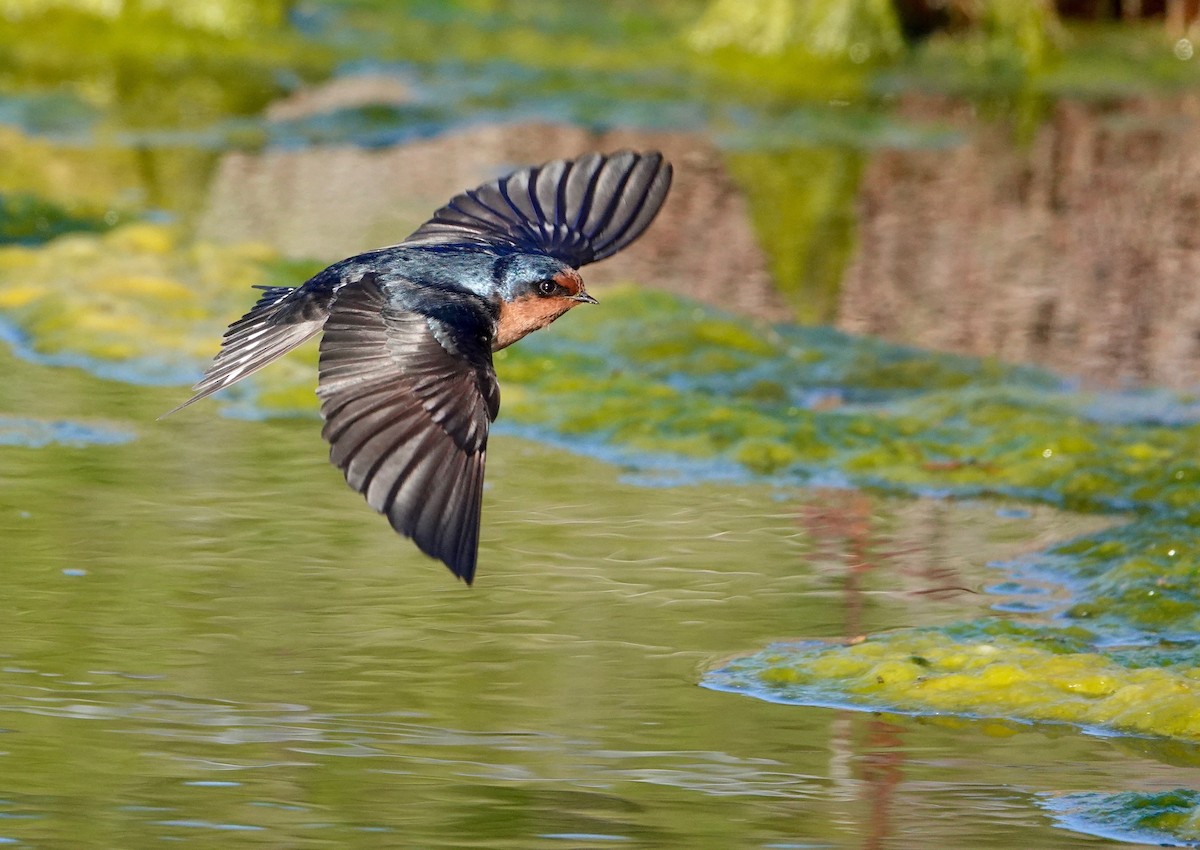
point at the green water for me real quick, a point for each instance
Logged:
(207, 639)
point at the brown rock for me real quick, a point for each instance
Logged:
(333, 201)
(341, 93)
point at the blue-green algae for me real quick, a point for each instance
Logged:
(1165, 818)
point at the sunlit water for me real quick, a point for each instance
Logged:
(207, 639)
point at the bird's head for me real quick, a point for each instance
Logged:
(534, 291)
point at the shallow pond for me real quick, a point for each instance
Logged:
(741, 585)
(206, 639)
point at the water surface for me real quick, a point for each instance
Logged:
(207, 639)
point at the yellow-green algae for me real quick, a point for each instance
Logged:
(991, 671)
(653, 372)
(134, 294)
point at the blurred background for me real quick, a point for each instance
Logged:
(1008, 178)
(899, 386)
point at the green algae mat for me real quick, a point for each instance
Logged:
(676, 392)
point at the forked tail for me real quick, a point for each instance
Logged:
(283, 318)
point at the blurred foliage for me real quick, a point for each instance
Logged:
(1016, 38)
(802, 205)
(857, 30)
(1081, 60)
(156, 63)
(1115, 61)
(230, 18)
(996, 32)
(29, 220)
(126, 105)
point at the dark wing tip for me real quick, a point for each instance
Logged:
(576, 210)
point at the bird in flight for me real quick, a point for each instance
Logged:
(406, 383)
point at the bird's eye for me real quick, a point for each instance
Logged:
(547, 287)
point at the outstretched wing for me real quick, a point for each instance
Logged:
(407, 401)
(577, 211)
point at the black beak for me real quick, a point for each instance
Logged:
(584, 297)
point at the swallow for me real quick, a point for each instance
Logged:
(405, 377)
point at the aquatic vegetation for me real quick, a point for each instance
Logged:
(135, 294)
(985, 670)
(883, 415)
(1120, 654)
(1164, 819)
(653, 372)
(799, 403)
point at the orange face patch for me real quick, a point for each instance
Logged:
(526, 315)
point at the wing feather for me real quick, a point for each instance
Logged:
(407, 418)
(577, 211)
(629, 207)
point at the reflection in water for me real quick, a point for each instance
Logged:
(839, 524)
(1078, 250)
(882, 777)
(839, 521)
